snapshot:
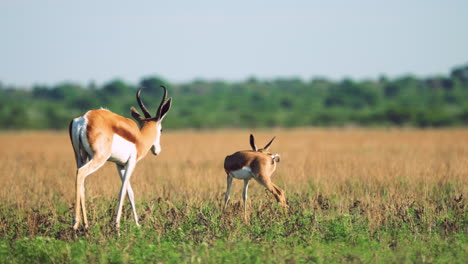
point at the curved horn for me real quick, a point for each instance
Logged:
(252, 143)
(163, 100)
(269, 143)
(142, 106)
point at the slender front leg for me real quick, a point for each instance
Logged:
(121, 170)
(123, 190)
(228, 191)
(244, 197)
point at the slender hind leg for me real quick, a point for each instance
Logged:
(121, 170)
(228, 191)
(83, 159)
(81, 175)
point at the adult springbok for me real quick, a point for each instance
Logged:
(100, 135)
(258, 164)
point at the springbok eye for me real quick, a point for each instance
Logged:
(161, 130)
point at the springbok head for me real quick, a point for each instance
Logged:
(149, 122)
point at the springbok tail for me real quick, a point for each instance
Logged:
(75, 130)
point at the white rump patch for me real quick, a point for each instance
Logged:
(80, 138)
(242, 174)
(122, 150)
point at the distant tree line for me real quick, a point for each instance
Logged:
(289, 102)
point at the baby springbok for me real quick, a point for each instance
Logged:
(258, 164)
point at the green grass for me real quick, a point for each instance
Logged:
(195, 231)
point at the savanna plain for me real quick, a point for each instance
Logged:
(354, 195)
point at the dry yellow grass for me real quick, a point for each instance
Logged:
(378, 168)
(355, 195)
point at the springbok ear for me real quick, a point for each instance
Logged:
(165, 108)
(252, 143)
(277, 158)
(135, 114)
(269, 143)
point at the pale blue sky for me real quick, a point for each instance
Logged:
(50, 41)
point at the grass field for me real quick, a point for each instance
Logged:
(356, 196)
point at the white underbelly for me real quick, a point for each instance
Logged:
(122, 150)
(243, 174)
